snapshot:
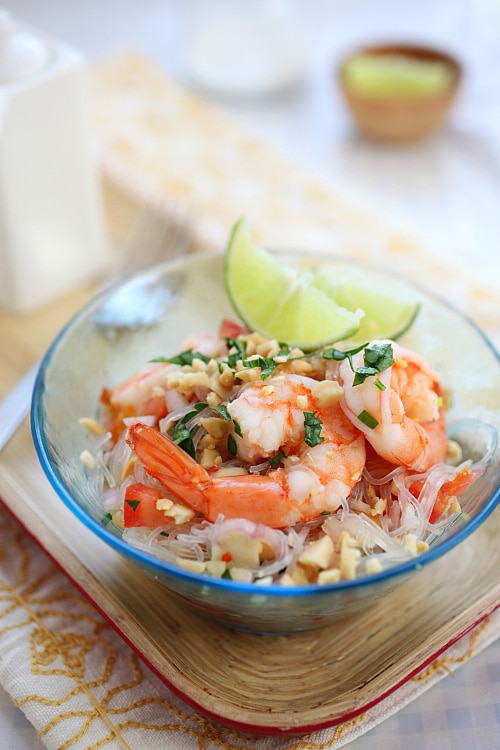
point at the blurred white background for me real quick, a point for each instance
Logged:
(447, 187)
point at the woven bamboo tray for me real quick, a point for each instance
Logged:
(262, 684)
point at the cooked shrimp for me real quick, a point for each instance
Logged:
(147, 393)
(313, 479)
(407, 414)
(143, 393)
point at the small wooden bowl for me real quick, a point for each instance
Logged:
(402, 118)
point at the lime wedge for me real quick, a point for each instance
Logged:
(389, 310)
(396, 76)
(280, 302)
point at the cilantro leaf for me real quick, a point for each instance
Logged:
(368, 419)
(134, 504)
(376, 359)
(312, 428)
(222, 411)
(267, 365)
(183, 358)
(184, 439)
(338, 355)
(275, 460)
(379, 356)
(231, 445)
(240, 352)
(200, 406)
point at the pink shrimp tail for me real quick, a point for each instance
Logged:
(262, 499)
(170, 465)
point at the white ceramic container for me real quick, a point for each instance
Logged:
(51, 225)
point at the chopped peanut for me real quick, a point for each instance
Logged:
(215, 426)
(300, 575)
(216, 567)
(88, 460)
(194, 566)
(318, 554)
(129, 467)
(298, 367)
(210, 457)
(287, 580)
(301, 402)
(267, 348)
(410, 544)
(241, 574)
(240, 549)
(179, 512)
(332, 575)
(327, 393)
(248, 375)
(349, 556)
(198, 365)
(454, 452)
(117, 518)
(93, 426)
(268, 390)
(373, 565)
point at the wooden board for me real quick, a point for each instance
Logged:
(271, 684)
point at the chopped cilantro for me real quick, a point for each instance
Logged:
(376, 359)
(267, 365)
(240, 352)
(380, 356)
(368, 419)
(134, 504)
(275, 460)
(231, 445)
(361, 373)
(182, 435)
(107, 518)
(184, 358)
(312, 427)
(338, 355)
(222, 411)
(200, 406)
(184, 439)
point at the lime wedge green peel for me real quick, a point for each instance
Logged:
(307, 309)
(388, 312)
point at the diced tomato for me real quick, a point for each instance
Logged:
(231, 329)
(454, 488)
(226, 557)
(139, 508)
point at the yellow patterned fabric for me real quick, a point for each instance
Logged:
(82, 687)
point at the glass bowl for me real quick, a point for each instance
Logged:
(400, 118)
(151, 315)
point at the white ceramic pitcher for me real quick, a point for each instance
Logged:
(51, 226)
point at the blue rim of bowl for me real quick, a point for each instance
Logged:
(237, 587)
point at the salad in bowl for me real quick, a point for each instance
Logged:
(274, 483)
